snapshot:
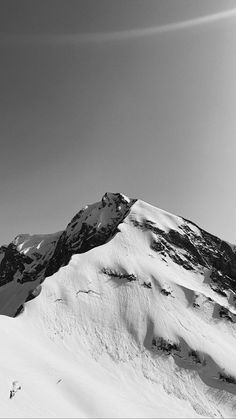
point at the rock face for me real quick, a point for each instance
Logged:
(93, 226)
(193, 248)
(29, 259)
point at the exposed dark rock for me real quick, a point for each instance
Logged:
(158, 246)
(218, 290)
(165, 292)
(227, 378)
(164, 346)
(114, 274)
(88, 236)
(209, 299)
(193, 250)
(147, 285)
(195, 356)
(79, 237)
(225, 313)
(12, 262)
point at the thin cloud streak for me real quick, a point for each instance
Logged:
(100, 37)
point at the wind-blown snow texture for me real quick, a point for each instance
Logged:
(131, 312)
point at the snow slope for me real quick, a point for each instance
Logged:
(27, 260)
(142, 325)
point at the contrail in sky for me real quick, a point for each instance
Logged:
(100, 37)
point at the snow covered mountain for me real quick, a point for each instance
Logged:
(128, 312)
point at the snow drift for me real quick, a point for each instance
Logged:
(128, 312)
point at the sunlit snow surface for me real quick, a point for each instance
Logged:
(85, 347)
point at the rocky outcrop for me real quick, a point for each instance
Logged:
(193, 248)
(93, 226)
(13, 264)
(28, 260)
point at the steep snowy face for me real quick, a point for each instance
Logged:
(26, 261)
(136, 320)
(193, 248)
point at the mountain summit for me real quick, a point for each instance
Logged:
(128, 312)
(27, 260)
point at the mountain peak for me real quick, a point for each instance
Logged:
(132, 289)
(114, 196)
(28, 259)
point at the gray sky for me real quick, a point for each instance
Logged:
(147, 112)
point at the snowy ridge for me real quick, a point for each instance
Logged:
(28, 259)
(141, 325)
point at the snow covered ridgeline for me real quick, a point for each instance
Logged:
(151, 308)
(29, 259)
(26, 261)
(147, 316)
